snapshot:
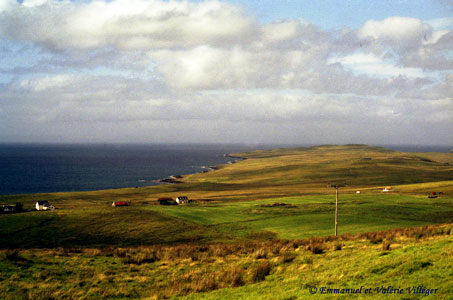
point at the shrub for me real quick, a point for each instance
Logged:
(308, 260)
(139, 258)
(316, 248)
(386, 246)
(260, 272)
(260, 254)
(287, 257)
(220, 250)
(234, 276)
(376, 240)
(205, 284)
(14, 256)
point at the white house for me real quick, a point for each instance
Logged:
(182, 199)
(43, 205)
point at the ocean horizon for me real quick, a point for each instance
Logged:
(49, 168)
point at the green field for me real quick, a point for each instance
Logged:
(307, 216)
(219, 246)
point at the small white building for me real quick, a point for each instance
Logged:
(43, 205)
(387, 189)
(182, 199)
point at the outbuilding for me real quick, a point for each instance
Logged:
(166, 201)
(8, 209)
(120, 203)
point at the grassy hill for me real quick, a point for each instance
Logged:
(266, 214)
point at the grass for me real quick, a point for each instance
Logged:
(409, 264)
(313, 215)
(98, 227)
(234, 242)
(233, 271)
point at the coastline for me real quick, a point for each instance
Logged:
(177, 179)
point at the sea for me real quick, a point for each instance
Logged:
(47, 168)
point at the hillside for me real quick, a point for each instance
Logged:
(277, 201)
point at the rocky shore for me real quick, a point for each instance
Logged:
(177, 178)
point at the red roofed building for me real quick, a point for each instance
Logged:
(120, 203)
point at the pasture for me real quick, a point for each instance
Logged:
(257, 228)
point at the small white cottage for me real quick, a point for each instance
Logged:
(43, 205)
(182, 199)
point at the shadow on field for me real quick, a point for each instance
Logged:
(128, 226)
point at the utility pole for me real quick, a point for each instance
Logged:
(336, 187)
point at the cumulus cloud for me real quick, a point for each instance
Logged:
(128, 109)
(125, 24)
(395, 29)
(415, 43)
(158, 66)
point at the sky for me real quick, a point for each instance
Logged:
(286, 72)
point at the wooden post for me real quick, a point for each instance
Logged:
(336, 211)
(336, 186)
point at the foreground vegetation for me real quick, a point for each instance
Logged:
(274, 269)
(258, 228)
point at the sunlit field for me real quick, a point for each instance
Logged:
(261, 228)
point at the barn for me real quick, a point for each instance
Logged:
(166, 201)
(120, 203)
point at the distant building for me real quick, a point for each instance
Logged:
(387, 189)
(9, 209)
(43, 205)
(182, 199)
(120, 203)
(166, 201)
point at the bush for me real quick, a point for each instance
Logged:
(260, 254)
(308, 260)
(14, 256)
(316, 248)
(234, 276)
(205, 284)
(376, 240)
(220, 250)
(287, 257)
(260, 272)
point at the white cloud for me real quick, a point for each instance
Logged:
(125, 24)
(413, 43)
(127, 65)
(33, 3)
(106, 110)
(6, 5)
(441, 23)
(370, 64)
(45, 83)
(395, 29)
(281, 31)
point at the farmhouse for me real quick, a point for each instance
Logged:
(43, 205)
(182, 199)
(9, 209)
(120, 203)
